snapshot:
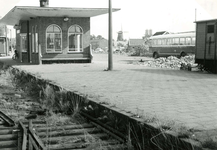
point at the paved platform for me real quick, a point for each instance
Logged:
(182, 96)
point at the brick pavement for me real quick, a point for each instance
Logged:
(186, 97)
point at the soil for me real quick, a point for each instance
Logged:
(14, 102)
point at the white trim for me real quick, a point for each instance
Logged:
(78, 41)
(61, 35)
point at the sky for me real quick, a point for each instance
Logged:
(135, 16)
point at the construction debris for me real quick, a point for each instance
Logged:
(171, 62)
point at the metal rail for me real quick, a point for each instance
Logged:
(114, 133)
(7, 119)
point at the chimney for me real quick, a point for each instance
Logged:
(146, 32)
(150, 32)
(44, 3)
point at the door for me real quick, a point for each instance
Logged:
(210, 42)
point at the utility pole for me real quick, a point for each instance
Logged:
(110, 42)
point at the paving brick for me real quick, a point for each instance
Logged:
(187, 97)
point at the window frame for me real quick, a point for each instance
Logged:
(81, 48)
(33, 40)
(54, 33)
(23, 45)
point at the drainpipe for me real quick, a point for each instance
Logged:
(28, 45)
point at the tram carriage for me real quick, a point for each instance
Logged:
(178, 44)
(206, 44)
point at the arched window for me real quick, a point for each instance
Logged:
(75, 38)
(54, 39)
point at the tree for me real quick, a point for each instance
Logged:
(99, 37)
(92, 37)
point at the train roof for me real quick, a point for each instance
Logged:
(210, 20)
(173, 35)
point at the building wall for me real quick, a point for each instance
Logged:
(42, 23)
(206, 45)
(202, 47)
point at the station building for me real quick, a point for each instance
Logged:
(52, 34)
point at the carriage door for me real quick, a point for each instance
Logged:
(210, 42)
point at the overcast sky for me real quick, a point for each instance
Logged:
(135, 16)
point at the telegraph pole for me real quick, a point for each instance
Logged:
(110, 42)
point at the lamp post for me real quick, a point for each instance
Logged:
(110, 57)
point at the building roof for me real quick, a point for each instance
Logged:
(160, 33)
(26, 12)
(136, 42)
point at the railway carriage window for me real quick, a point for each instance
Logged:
(171, 41)
(182, 41)
(176, 41)
(188, 41)
(210, 28)
(163, 42)
(155, 42)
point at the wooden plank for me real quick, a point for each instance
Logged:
(69, 132)
(65, 127)
(81, 144)
(8, 137)
(11, 148)
(8, 143)
(53, 140)
(6, 131)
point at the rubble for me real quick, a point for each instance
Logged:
(171, 62)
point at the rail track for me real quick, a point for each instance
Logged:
(40, 134)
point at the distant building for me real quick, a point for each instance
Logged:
(135, 46)
(99, 43)
(4, 41)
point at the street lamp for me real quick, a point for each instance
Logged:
(110, 57)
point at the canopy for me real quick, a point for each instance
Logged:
(26, 12)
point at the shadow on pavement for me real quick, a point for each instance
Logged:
(178, 73)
